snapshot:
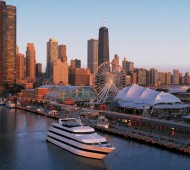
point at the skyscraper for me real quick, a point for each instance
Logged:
(153, 76)
(187, 78)
(124, 63)
(92, 60)
(19, 66)
(62, 53)
(60, 72)
(77, 63)
(141, 76)
(181, 78)
(31, 62)
(129, 67)
(52, 55)
(175, 76)
(168, 76)
(115, 63)
(162, 78)
(103, 45)
(7, 43)
(38, 70)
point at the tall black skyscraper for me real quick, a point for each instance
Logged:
(103, 45)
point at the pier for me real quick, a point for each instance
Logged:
(158, 140)
(150, 139)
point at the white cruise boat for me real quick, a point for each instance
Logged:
(79, 139)
(10, 105)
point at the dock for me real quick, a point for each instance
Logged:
(164, 142)
(145, 138)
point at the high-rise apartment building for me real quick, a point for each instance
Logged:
(103, 45)
(153, 76)
(19, 66)
(52, 55)
(7, 43)
(141, 77)
(187, 78)
(38, 70)
(168, 78)
(92, 60)
(175, 77)
(147, 78)
(161, 78)
(115, 63)
(60, 72)
(124, 63)
(77, 63)
(31, 62)
(181, 78)
(62, 53)
(129, 67)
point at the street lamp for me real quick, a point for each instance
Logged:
(172, 132)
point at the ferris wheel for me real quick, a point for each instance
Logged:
(108, 81)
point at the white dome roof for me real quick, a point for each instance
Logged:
(141, 95)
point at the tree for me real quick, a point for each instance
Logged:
(12, 89)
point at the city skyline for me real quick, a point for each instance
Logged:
(150, 34)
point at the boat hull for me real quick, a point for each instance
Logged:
(88, 154)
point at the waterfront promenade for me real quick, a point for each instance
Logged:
(141, 130)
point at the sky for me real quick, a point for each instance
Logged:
(150, 33)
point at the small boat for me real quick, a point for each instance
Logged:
(10, 105)
(103, 124)
(53, 112)
(40, 109)
(71, 135)
(2, 102)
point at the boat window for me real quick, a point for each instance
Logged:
(70, 123)
(91, 132)
(94, 143)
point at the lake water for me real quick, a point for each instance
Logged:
(23, 147)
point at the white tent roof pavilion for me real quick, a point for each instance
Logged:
(138, 97)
